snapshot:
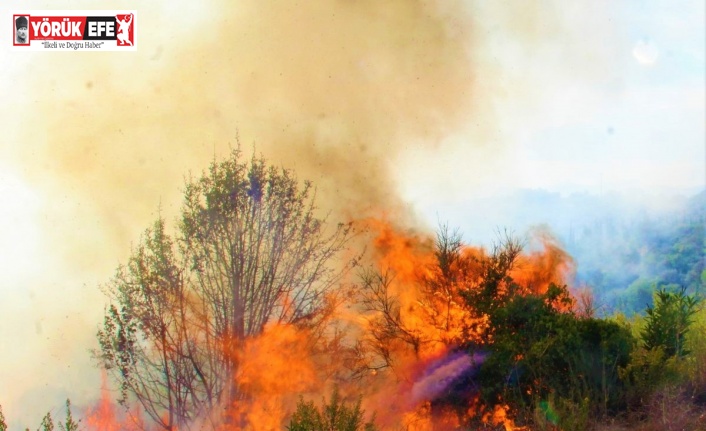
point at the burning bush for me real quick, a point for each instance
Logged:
(249, 252)
(492, 328)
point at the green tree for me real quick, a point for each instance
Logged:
(70, 424)
(667, 321)
(540, 351)
(249, 250)
(47, 423)
(335, 415)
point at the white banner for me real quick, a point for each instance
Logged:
(74, 30)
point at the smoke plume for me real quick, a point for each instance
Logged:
(336, 90)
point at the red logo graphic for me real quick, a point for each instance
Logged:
(125, 31)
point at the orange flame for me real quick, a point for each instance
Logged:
(432, 310)
(426, 306)
(103, 416)
(274, 369)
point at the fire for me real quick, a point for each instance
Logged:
(432, 319)
(103, 416)
(499, 416)
(409, 256)
(430, 311)
(274, 369)
(547, 264)
(408, 336)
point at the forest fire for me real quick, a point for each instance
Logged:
(426, 328)
(245, 305)
(408, 343)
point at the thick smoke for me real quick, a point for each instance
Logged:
(336, 90)
(333, 89)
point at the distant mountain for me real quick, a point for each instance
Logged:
(623, 245)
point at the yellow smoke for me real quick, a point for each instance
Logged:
(336, 89)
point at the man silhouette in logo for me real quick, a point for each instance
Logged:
(124, 29)
(21, 35)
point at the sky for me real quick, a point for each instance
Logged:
(607, 98)
(613, 102)
(405, 109)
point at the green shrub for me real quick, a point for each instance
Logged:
(667, 322)
(539, 351)
(334, 416)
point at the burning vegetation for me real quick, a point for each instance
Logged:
(256, 308)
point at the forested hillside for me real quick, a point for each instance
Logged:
(625, 260)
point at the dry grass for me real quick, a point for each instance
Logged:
(669, 409)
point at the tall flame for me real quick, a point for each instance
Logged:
(105, 415)
(424, 363)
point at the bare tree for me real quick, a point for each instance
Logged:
(249, 251)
